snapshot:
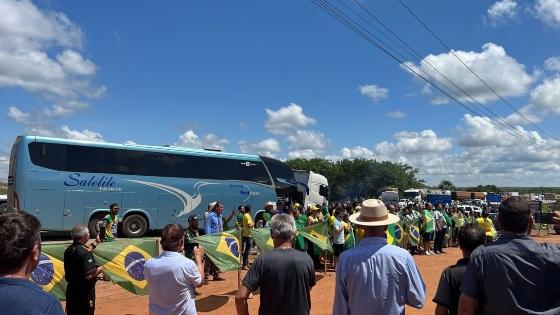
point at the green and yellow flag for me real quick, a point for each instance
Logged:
(413, 233)
(399, 233)
(123, 262)
(49, 274)
(222, 249)
(390, 232)
(318, 235)
(262, 239)
(349, 240)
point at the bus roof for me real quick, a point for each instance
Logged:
(151, 148)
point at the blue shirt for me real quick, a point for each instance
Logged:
(376, 278)
(213, 223)
(23, 297)
(171, 281)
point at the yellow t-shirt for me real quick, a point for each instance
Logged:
(247, 225)
(487, 225)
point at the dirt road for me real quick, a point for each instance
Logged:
(218, 297)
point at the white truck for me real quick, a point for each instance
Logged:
(390, 196)
(314, 187)
(415, 195)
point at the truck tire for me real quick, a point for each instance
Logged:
(134, 226)
(93, 221)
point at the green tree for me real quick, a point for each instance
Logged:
(446, 185)
(360, 177)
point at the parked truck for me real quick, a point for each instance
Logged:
(313, 187)
(415, 195)
(434, 199)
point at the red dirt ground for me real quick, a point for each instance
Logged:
(219, 297)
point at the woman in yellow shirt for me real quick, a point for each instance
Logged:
(487, 225)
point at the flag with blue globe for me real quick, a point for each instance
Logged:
(222, 249)
(123, 262)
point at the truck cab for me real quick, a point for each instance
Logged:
(313, 187)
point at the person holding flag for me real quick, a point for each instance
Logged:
(81, 274)
(108, 224)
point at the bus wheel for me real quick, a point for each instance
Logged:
(134, 225)
(93, 222)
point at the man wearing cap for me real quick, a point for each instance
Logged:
(374, 277)
(267, 215)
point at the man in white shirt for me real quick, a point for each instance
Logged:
(172, 277)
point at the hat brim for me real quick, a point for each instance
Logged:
(356, 219)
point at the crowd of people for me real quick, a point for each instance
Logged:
(510, 275)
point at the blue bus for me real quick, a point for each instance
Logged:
(66, 182)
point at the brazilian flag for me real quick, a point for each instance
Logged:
(123, 262)
(318, 235)
(263, 239)
(349, 240)
(49, 274)
(222, 249)
(390, 232)
(414, 234)
(398, 233)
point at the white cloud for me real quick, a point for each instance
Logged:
(376, 93)
(286, 119)
(502, 11)
(552, 64)
(65, 109)
(24, 26)
(408, 142)
(267, 147)
(396, 114)
(529, 112)
(17, 115)
(357, 152)
(130, 142)
(40, 52)
(86, 135)
(548, 11)
(546, 96)
(481, 131)
(308, 139)
(209, 141)
(303, 154)
(73, 62)
(500, 71)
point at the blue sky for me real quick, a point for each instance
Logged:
(285, 79)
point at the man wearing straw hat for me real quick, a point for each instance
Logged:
(374, 277)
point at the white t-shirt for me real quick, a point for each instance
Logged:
(338, 238)
(171, 281)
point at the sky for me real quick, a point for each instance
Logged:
(287, 80)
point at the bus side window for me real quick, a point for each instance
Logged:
(48, 155)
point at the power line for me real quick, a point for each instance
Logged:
(474, 73)
(418, 57)
(359, 30)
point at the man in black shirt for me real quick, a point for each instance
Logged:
(284, 275)
(448, 292)
(81, 273)
(514, 274)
